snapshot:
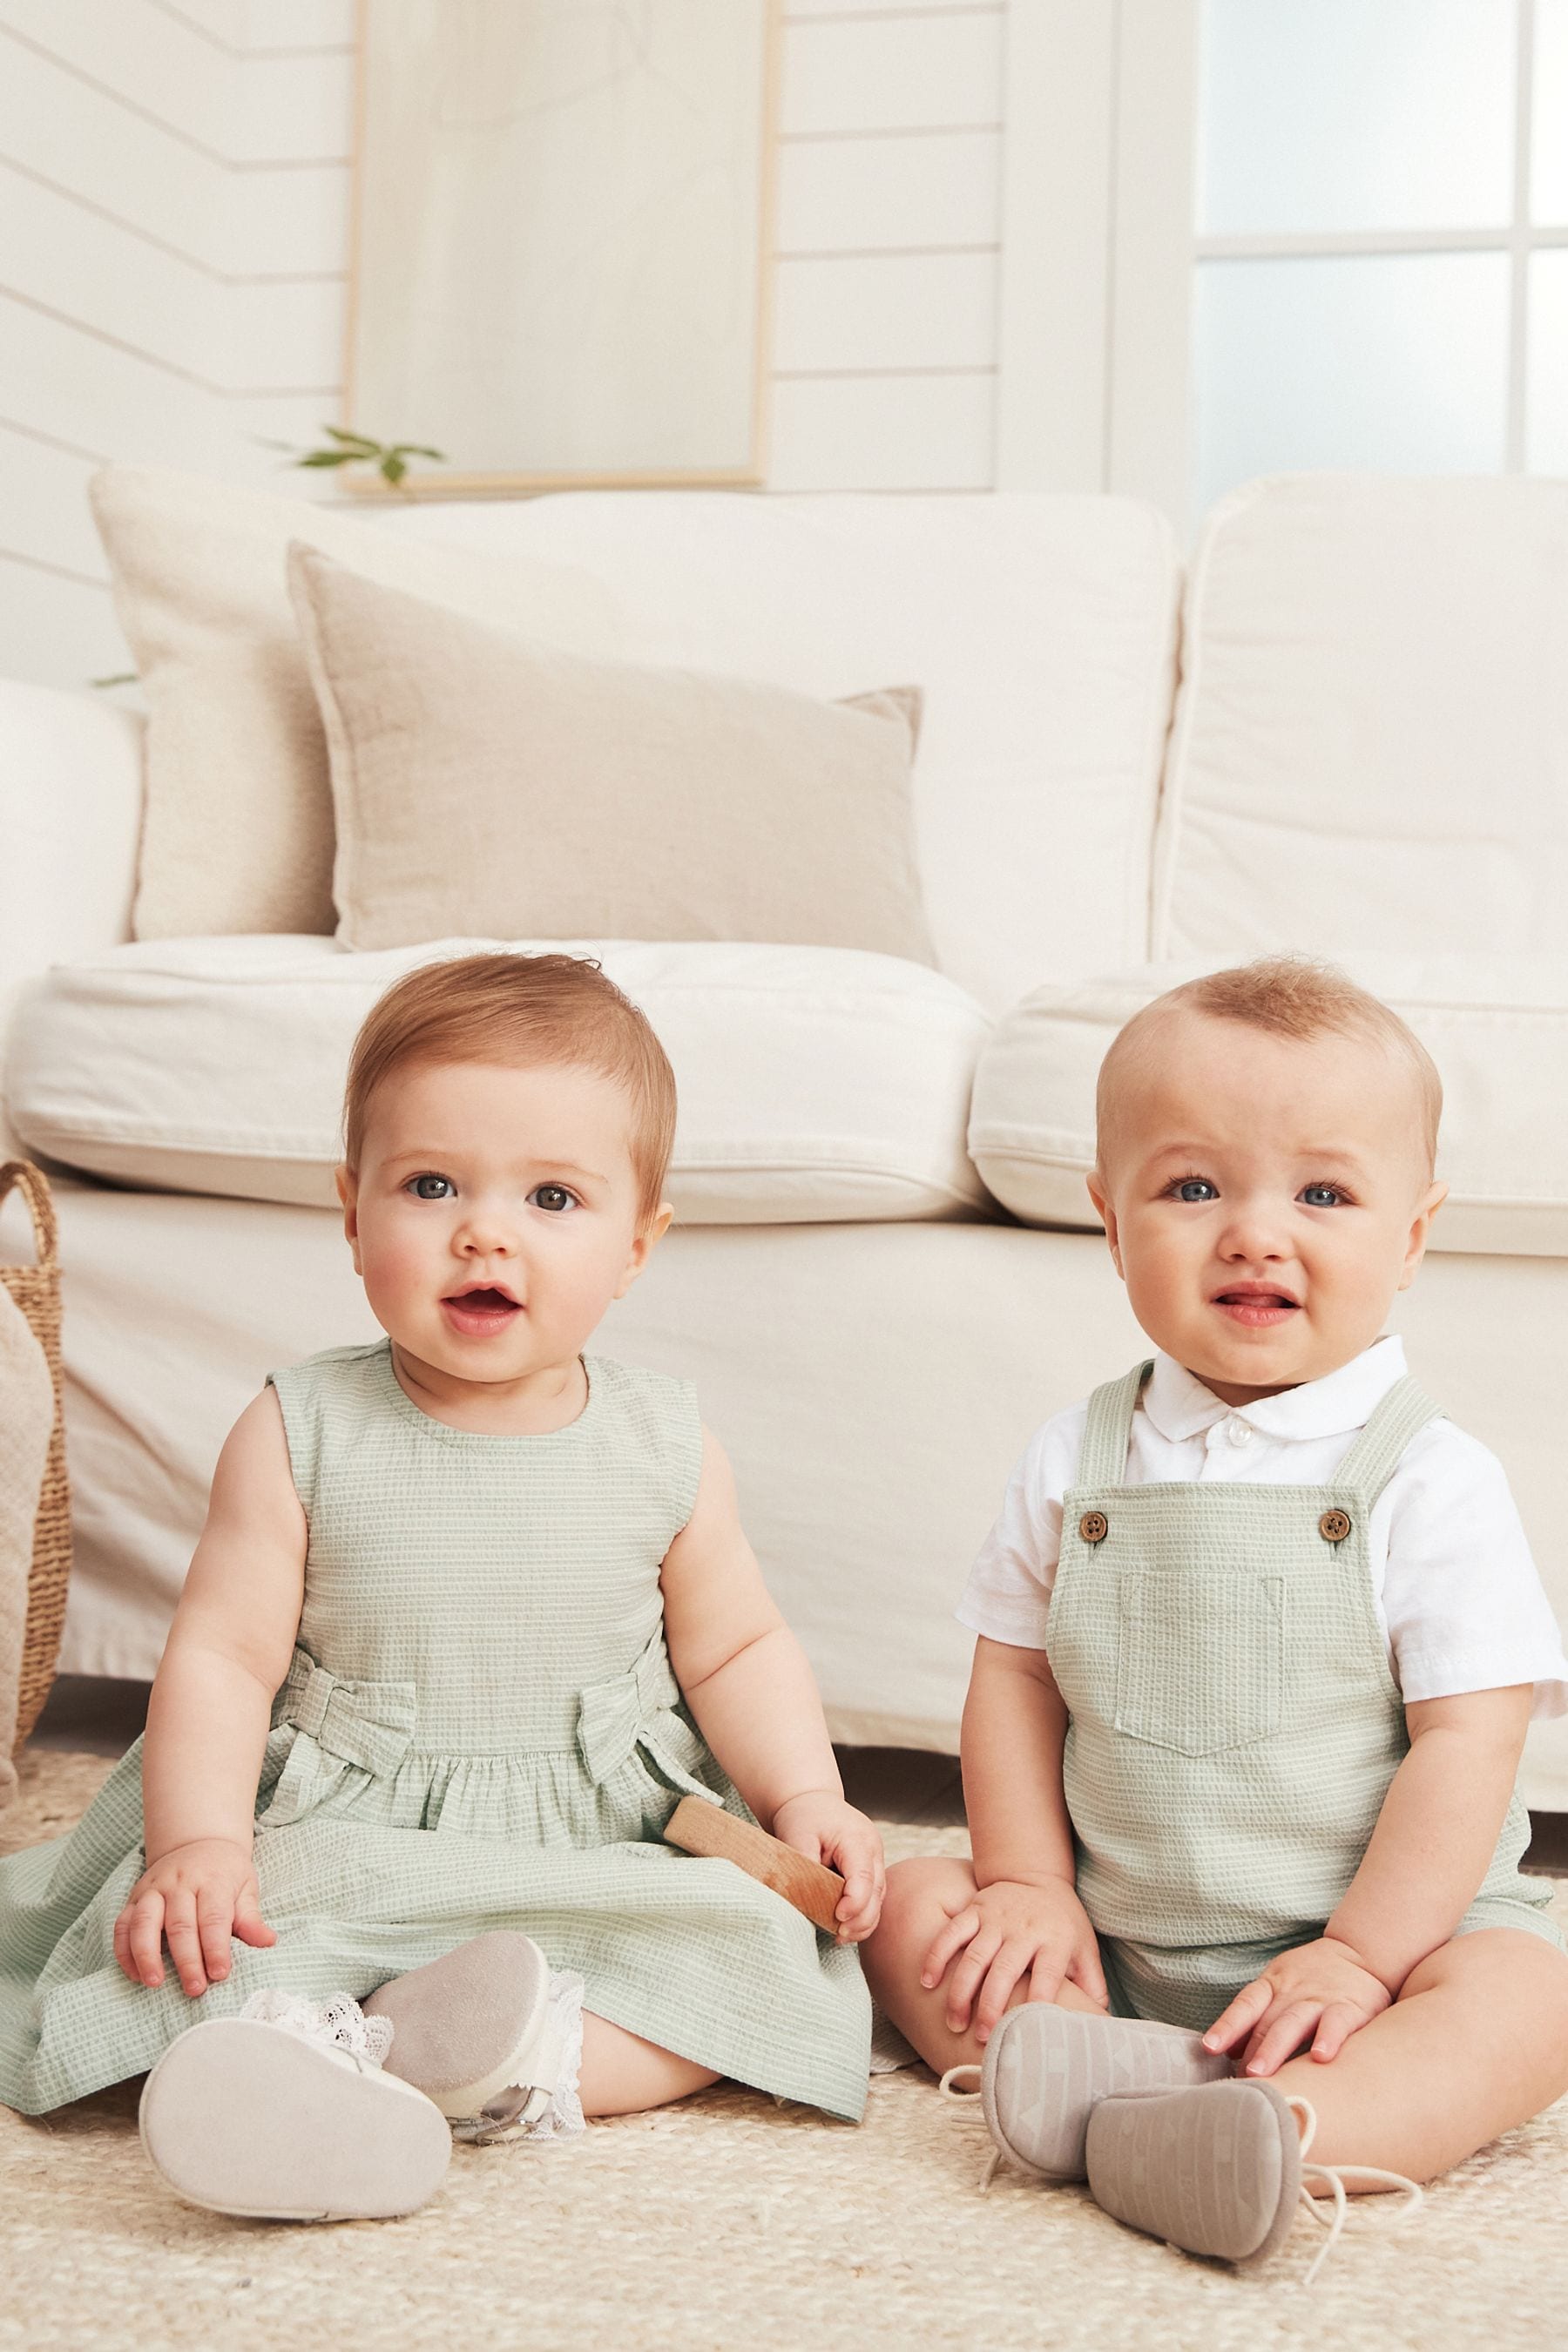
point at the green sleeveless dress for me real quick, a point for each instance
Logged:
(479, 1729)
(1233, 1724)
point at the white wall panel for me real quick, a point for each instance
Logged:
(294, 107)
(58, 380)
(90, 269)
(897, 311)
(54, 630)
(217, 21)
(292, 222)
(140, 55)
(838, 195)
(295, 24)
(75, 136)
(798, 10)
(849, 74)
(875, 432)
(283, 337)
(43, 505)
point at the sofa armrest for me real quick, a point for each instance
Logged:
(70, 814)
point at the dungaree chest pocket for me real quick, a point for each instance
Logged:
(1199, 1665)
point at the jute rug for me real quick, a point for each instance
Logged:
(732, 2225)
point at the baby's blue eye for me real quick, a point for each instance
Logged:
(1322, 1196)
(554, 1197)
(430, 1188)
(1197, 1188)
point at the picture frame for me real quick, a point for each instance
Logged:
(563, 227)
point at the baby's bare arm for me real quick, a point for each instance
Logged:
(746, 1680)
(229, 1646)
(227, 1651)
(1423, 1867)
(1015, 1721)
(1437, 1832)
(1025, 1923)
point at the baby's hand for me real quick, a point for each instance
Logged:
(195, 1897)
(1319, 1993)
(824, 1828)
(1012, 1929)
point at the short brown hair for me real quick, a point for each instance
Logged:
(527, 1010)
(1293, 997)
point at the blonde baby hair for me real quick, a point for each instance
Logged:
(1291, 996)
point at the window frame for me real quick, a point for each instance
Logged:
(1100, 250)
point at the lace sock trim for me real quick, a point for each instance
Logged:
(338, 2021)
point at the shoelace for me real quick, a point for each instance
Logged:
(969, 2108)
(1337, 2176)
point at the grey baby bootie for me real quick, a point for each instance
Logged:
(492, 2036)
(1047, 2069)
(1221, 2170)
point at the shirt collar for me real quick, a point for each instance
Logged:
(1180, 1406)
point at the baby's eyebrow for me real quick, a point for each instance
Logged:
(435, 1155)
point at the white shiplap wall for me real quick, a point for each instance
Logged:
(173, 236)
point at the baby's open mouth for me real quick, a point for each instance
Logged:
(1255, 1304)
(487, 1307)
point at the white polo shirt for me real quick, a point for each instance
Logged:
(1457, 1594)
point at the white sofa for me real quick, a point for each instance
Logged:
(874, 1276)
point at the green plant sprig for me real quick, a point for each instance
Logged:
(390, 458)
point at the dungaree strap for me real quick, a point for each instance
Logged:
(1374, 1456)
(1103, 1461)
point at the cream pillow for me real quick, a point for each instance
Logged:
(237, 830)
(488, 786)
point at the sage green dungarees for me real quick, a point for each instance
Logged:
(1234, 1725)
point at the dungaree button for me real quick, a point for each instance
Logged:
(1334, 1526)
(1093, 1525)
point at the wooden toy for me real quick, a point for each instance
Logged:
(698, 1827)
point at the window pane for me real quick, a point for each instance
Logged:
(1356, 114)
(1546, 413)
(1392, 361)
(1549, 132)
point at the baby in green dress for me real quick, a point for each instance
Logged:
(471, 1612)
(1259, 1636)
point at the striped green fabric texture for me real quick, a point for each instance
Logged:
(1234, 1724)
(480, 1729)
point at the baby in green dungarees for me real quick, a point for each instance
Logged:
(1259, 1636)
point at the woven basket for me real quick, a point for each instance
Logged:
(36, 1291)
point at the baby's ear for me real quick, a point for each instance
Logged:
(644, 1242)
(1431, 1200)
(1100, 1193)
(347, 1182)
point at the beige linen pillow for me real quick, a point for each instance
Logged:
(237, 829)
(487, 786)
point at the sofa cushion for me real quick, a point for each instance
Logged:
(816, 1083)
(1496, 1028)
(237, 831)
(484, 781)
(1371, 744)
(1041, 629)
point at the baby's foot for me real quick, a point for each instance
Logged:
(1046, 2070)
(285, 2114)
(491, 2036)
